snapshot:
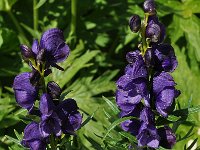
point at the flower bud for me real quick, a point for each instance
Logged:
(26, 52)
(153, 32)
(54, 90)
(149, 7)
(135, 23)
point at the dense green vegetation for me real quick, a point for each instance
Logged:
(98, 35)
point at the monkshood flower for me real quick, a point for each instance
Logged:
(50, 122)
(147, 91)
(168, 138)
(32, 137)
(132, 87)
(25, 92)
(69, 115)
(51, 49)
(164, 92)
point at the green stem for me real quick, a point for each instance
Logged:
(73, 19)
(52, 142)
(143, 34)
(35, 15)
(16, 23)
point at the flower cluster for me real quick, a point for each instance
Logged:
(56, 116)
(147, 90)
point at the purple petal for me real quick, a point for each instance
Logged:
(147, 116)
(148, 136)
(165, 58)
(31, 132)
(46, 105)
(35, 47)
(51, 39)
(164, 101)
(72, 123)
(37, 145)
(25, 92)
(168, 138)
(161, 81)
(131, 57)
(131, 126)
(50, 125)
(61, 52)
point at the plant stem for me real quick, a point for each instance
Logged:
(35, 15)
(52, 142)
(73, 18)
(16, 23)
(143, 31)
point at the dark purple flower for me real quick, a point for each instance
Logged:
(135, 23)
(155, 30)
(148, 136)
(164, 92)
(50, 122)
(54, 44)
(53, 90)
(134, 124)
(164, 58)
(25, 92)
(26, 52)
(132, 87)
(168, 138)
(69, 115)
(32, 138)
(147, 116)
(149, 7)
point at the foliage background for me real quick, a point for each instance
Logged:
(99, 37)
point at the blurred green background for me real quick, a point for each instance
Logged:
(99, 37)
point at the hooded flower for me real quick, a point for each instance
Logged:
(132, 87)
(50, 123)
(69, 115)
(25, 92)
(164, 92)
(164, 58)
(168, 138)
(148, 136)
(51, 49)
(32, 138)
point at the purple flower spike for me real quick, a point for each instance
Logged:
(32, 138)
(25, 92)
(168, 138)
(165, 58)
(165, 92)
(53, 42)
(71, 119)
(50, 123)
(148, 136)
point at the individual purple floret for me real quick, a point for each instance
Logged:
(135, 23)
(164, 92)
(132, 87)
(148, 136)
(69, 115)
(164, 58)
(50, 122)
(25, 92)
(51, 49)
(32, 138)
(149, 7)
(168, 138)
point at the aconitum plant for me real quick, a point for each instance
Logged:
(56, 117)
(147, 90)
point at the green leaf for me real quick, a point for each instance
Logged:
(130, 137)
(6, 5)
(88, 119)
(114, 124)
(111, 105)
(13, 140)
(194, 109)
(40, 3)
(192, 144)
